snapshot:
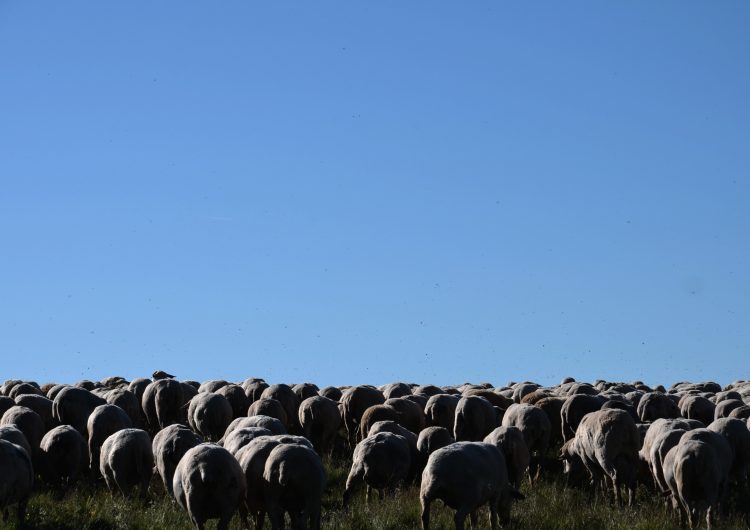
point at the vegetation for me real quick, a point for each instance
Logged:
(549, 504)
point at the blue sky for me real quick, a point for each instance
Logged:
(347, 192)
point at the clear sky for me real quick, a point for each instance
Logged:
(347, 192)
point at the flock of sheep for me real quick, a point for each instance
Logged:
(256, 448)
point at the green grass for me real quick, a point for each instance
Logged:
(89, 506)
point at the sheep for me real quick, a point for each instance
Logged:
(382, 460)
(289, 400)
(252, 459)
(25, 388)
(431, 439)
(724, 408)
(269, 407)
(14, 435)
(331, 392)
(127, 460)
(28, 422)
(552, 407)
(5, 404)
(607, 443)
(62, 455)
(72, 406)
(475, 419)
(253, 388)
(510, 440)
(305, 390)
(373, 415)
(738, 436)
(104, 421)
(169, 446)
(162, 402)
(295, 481)
(129, 402)
(574, 409)
(209, 414)
(535, 427)
(391, 426)
(702, 460)
(396, 390)
(272, 424)
(465, 476)
(660, 446)
(237, 399)
(16, 479)
(320, 420)
(209, 484)
(239, 438)
(410, 414)
(440, 410)
(655, 405)
(211, 386)
(39, 404)
(697, 408)
(354, 401)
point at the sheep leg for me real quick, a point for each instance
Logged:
(315, 517)
(493, 513)
(223, 523)
(473, 520)
(425, 502)
(260, 519)
(460, 517)
(21, 513)
(277, 518)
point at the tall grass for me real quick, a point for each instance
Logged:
(548, 505)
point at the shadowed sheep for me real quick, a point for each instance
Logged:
(475, 419)
(440, 410)
(209, 484)
(289, 400)
(607, 443)
(266, 422)
(237, 399)
(103, 422)
(62, 456)
(252, 459)
(72, 406)
(702, 461)
(269, 407)
(466, 476)
(738, 436)
(574, 409)
(16, 479)
(14, 435)
(511, 442)
(169, 446)
(295, 481)
(697, 408)
(410, 414)
(239, 438)
(354, 401)
(127, 461)
(320, 420)
(380, 461)
(655, 405)
(28, 422)
(431, 439)
(535, 427)
(209, 414)
(162, 403)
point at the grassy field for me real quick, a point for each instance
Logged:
(548, 505)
